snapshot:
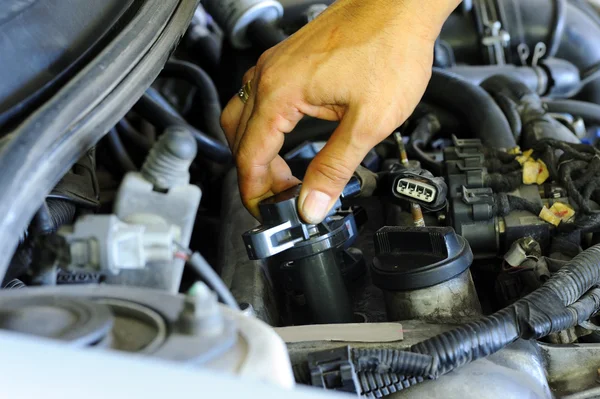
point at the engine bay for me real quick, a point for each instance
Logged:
(461, 260)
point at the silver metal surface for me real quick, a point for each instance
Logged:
(236, 15)
(454, 300)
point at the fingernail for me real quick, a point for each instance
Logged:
(315, 206)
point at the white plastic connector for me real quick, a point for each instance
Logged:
(107, 243)
(416, 189)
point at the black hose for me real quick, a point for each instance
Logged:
(120, 152)
(536, 123)
(14, 284)
(130, 133)
(150, 108)
(212, 279)
(62, 212)
(559, 304)
(426, 128)
(590, 112)
(42, 221)
(265, 34)
(484, 118)
(558, 27)
(52, 215)
(207, 94)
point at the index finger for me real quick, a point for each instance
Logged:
(260, 146)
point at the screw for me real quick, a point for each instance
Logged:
(201, 313)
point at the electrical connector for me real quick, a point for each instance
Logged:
(103, 242)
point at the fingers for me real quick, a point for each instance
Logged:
(261, 170)
(230, 119)
(260, 182)
(233, 113)
(334, 165)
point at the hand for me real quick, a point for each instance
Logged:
(363, 63)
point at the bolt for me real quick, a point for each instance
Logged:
(201, 314)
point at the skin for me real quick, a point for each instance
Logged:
(364, 63)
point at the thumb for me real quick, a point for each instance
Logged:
(333, 166)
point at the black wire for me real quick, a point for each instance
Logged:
(119, 152)
(128, 131)
(151, 106)
(208, 96)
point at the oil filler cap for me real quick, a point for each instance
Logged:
(411, 258)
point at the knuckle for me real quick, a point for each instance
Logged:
(334, 171)
(268, 81)
(248, 75)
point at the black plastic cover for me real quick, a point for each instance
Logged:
(44, 41)
(410, 258)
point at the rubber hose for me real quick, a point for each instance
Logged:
(536, 123)
(14, 284)
(544, 311)
(150, 108)
(62, 212)
(207, 95)
(484, 117)
(558, 27)
(421, 135)
(42, 221)
(119, 152)
(130, 133)
(590, 112)
(265, 34)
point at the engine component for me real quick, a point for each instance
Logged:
(190, 328)
(305, 254)
(418, 186)
(424, 273)
(473, 204)
(162, 189)
(104, 243)
(235, 16)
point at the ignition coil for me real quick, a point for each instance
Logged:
(307, 254)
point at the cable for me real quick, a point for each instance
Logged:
(208, 96)
(151, 106)
(130, 133)
(119, 151)
(208, 274)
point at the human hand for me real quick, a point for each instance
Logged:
(363, 63)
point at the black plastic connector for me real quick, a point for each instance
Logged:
(419, 186)
(333, 370)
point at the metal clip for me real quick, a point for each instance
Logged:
(524, 53)
(538, 53)
(478, 195)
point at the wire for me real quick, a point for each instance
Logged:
(208, 274)
(119, 151)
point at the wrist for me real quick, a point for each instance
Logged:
(423, 16)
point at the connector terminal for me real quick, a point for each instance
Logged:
(416, 189)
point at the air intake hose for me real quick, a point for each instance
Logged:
(483, 116)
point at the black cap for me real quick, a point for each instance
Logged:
(411, 258)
